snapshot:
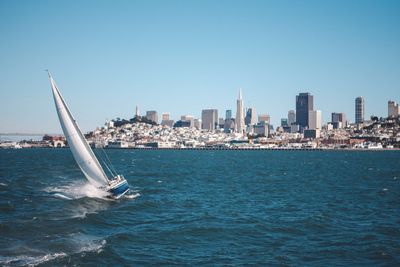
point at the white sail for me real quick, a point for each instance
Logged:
(81, 151)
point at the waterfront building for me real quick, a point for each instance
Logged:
(264, 118)
(312, 133)
(152, 115)
(228, 114)
(209, 118)
(315, 119)
(250, 117)
(393, 109)
(304, 104)
(239, 121)
(360, 109)
(291, 117)
(338, 120)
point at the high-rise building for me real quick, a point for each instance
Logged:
(261, 128)
(152, 115)
(209, 118)
(250, 118)
(229, 125)
(284, 122)
(165, 116)
(188, 118)
(291, 117)
(239, 121)
(228, 114)
(393, 109)
(166, 121)
(264, 118)
(304, 104)
(315, 120)
(359, 104)
(169, 123)
(338, 120)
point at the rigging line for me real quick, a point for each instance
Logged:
(111, 165)
(105, 163)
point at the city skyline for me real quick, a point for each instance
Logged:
(184, 57)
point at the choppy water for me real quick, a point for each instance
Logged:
(203, 208)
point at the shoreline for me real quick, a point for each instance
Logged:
(221, 149)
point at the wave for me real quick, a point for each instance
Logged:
(24, 260)
(78, 190)
(76, 244)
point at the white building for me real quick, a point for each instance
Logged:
(239, 122)
(315, 119)
(291, 117)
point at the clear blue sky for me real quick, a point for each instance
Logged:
(184, 56)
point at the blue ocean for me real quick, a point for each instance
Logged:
(203, 208)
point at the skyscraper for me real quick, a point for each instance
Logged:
(239, 122)
(338, 120)
(291, 117)
(315, 119)
(165, 116)
(250, 118)
(359, 109)
(393, 109)
(304, 104)
(264, 118)
(228, 114)
(209, 119)
(152, 115)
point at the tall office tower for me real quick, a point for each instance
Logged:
(291, 117)
(221, 123)
(284, 122)
(315, 119)
(250, 118)
(264, 118)
(393, 109)
(188, 118)
(228, 114)
(304, 104)
(338, 120)
(239, 121)
(360, 109)
(137, 113)
(165, 116)
(152, 115)
(209, 118)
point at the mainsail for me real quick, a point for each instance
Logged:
(81, 151)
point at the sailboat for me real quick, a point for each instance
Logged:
(117, 185)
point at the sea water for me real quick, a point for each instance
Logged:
(213, 208)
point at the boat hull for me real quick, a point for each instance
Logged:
(119, 189)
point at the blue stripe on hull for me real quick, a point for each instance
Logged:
(120, 190)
